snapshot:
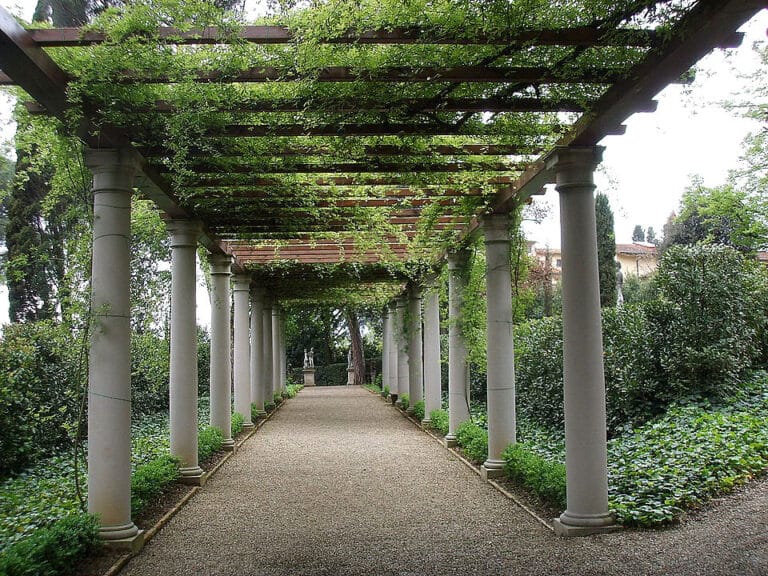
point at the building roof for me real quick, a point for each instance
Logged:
(637, 249)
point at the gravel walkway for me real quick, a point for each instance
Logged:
(339, 483)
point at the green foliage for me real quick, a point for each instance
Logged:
(638, 289)
(418, 410)
(438, 420)
(543, 477)
(209, 441)
(237, 423)
(331, 374)
(292, 390)
(711, 317)
(269, 407)
(373, 388)
(606, 250)
(203, 362)
(151, 479)
(385, 392)
(39, 399)
(150, 373)
(255, 415)
(687, 456)
(54, 550)
(277, 398)
(473, 440)
(404, 401)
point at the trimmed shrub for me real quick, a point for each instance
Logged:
(54, 550)
(209, 440)
(473, 440)
(269, 407)
(237, 423)
(39, 398)
(438, 420)
(385, 392)
(293, 389)
(543, 477)
(418, 410)
(404, 400)
(331, 374)
(151, 479)
(277, 398)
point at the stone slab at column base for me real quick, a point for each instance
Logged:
(350, 376)
(193, 476)
(409, 411)
(450, 441)
(249, 426)
(571, 531)
(492, 469)
(426, 424)
(228, 445)
(131, 545)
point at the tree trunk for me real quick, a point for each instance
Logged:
(356, 339)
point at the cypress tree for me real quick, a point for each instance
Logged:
(606, 250)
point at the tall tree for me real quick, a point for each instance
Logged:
(356, 344)
(650, 236)
(638, 234)
(606, 250)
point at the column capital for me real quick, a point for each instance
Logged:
(495, 227)
(574, 165)
(415, 291)
(401, 301)
(458, 259)
(241, 283)
(100, 160)
(183, 232)
(220, 264)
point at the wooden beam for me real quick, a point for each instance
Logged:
(357, 168)
(219, 181)
(577, 36)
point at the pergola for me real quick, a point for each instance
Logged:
(306, 157)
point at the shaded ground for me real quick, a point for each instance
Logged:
(339, 483)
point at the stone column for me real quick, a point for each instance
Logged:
(393, 348)
(257, 349)
(385, 337)
(242, 353)
(458, 366)
(584, 384)
(501, 355)
(283, 353)
(403, 371)
(183, 374)
(109, 361)
(415, 358)
(266, 335)
(276, 348)
(432, 397)
(221, 344)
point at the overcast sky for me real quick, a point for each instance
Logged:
(645, 171)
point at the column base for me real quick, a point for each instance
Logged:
(492, 469)
(450, 441)
(260, 412)
(127, 538)
(568, 526)
(409, 411)
(228, 445)
(193, 476)
(249, 426)
(426, 424)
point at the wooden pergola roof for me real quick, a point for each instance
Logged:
(389, 164)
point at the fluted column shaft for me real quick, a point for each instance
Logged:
(221, 344)
(501, 355)
(458, 365)
(109, 375)
(583, 379)
(242, 350)
(257, 349)
(415, 357)
(432, 399)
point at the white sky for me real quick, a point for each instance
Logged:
(645, 171)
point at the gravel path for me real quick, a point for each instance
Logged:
(339, 483)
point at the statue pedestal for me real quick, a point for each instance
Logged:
(350, 376)
(309, 376)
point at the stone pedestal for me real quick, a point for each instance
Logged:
(583, 377)
(309, 376)
(350, 376)
(109, 361)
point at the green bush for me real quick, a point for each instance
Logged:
(385, 392)
(404, 401)
(418, 410)
(150, 373)
(372, 388)
(209, 440)
(331, 374)
(151, 479)
(473, 440)
(277, 398)
(237, 423)
(293, 389)
(54, 550)
(438, 420)
(39, 398)
(255, 413)
(543, 477)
